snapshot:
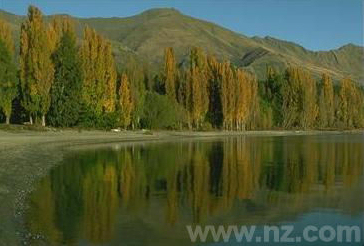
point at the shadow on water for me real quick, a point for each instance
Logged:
(147, 194)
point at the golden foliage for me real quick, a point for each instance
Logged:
(6, 36)
(125, 101)
(98, 65)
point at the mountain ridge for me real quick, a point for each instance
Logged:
(145, 36)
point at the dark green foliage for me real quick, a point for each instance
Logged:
(90, 119)
(215, 115)
(66, 89)
(271, 95)
(161, 112)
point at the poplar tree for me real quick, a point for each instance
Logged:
(292, 98)
(8, 78)
(227, 95)
(6, 36)
(243, 99)
(98, 67)
(125, 102)
(197, 98)
(58, 26)
(254, 114)
(8, 71)
(214, 90)
(137, 76)
(326, 102)
(309, 108)
(36, 68)
(350, 106)
(170, 73)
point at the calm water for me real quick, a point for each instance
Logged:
(147, 194)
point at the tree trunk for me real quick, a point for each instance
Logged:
(43, 121)
(7, 120)
(31, 119)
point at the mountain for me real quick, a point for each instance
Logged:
(147, 34)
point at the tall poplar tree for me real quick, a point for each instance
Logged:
(125, 102)
(98, 66)
(170, 73)
(197, 98)
(6, 36)
(292, 98)
(36, 68)
(58, 26)
(350, 106)
(214, 90)
(8, 78)
(227, 95)
(326, 102)
(137, 76)
(309, 108)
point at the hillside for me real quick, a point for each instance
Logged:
(147, 34)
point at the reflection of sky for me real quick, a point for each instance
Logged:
(317, 25)
(318, 219)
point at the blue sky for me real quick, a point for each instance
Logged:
(314, 24)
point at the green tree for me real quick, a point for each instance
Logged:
(8, 81)
(160, 112)
(36, 68)
(66, 89)
(137, 76)
(272, 94)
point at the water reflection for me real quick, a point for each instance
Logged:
(113, 196)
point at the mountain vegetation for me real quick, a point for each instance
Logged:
(124, 73)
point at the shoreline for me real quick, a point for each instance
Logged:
(26, 156)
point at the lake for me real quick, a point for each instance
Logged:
(146, 194)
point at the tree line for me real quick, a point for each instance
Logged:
(64, 82)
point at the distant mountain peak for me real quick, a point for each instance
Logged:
(161, 11)
(349, 46)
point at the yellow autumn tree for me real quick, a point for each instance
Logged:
(6, 36)
(170, 73)
(98, 65)
(36, 68)
(227, 95)
(326, 102)
(8, 71)
(197, 98)
(243, 99)
(125, 102)
(350, 106)
(309, 108)
(55, 30)
(292, 98)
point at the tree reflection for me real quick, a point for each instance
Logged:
(82, 198)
